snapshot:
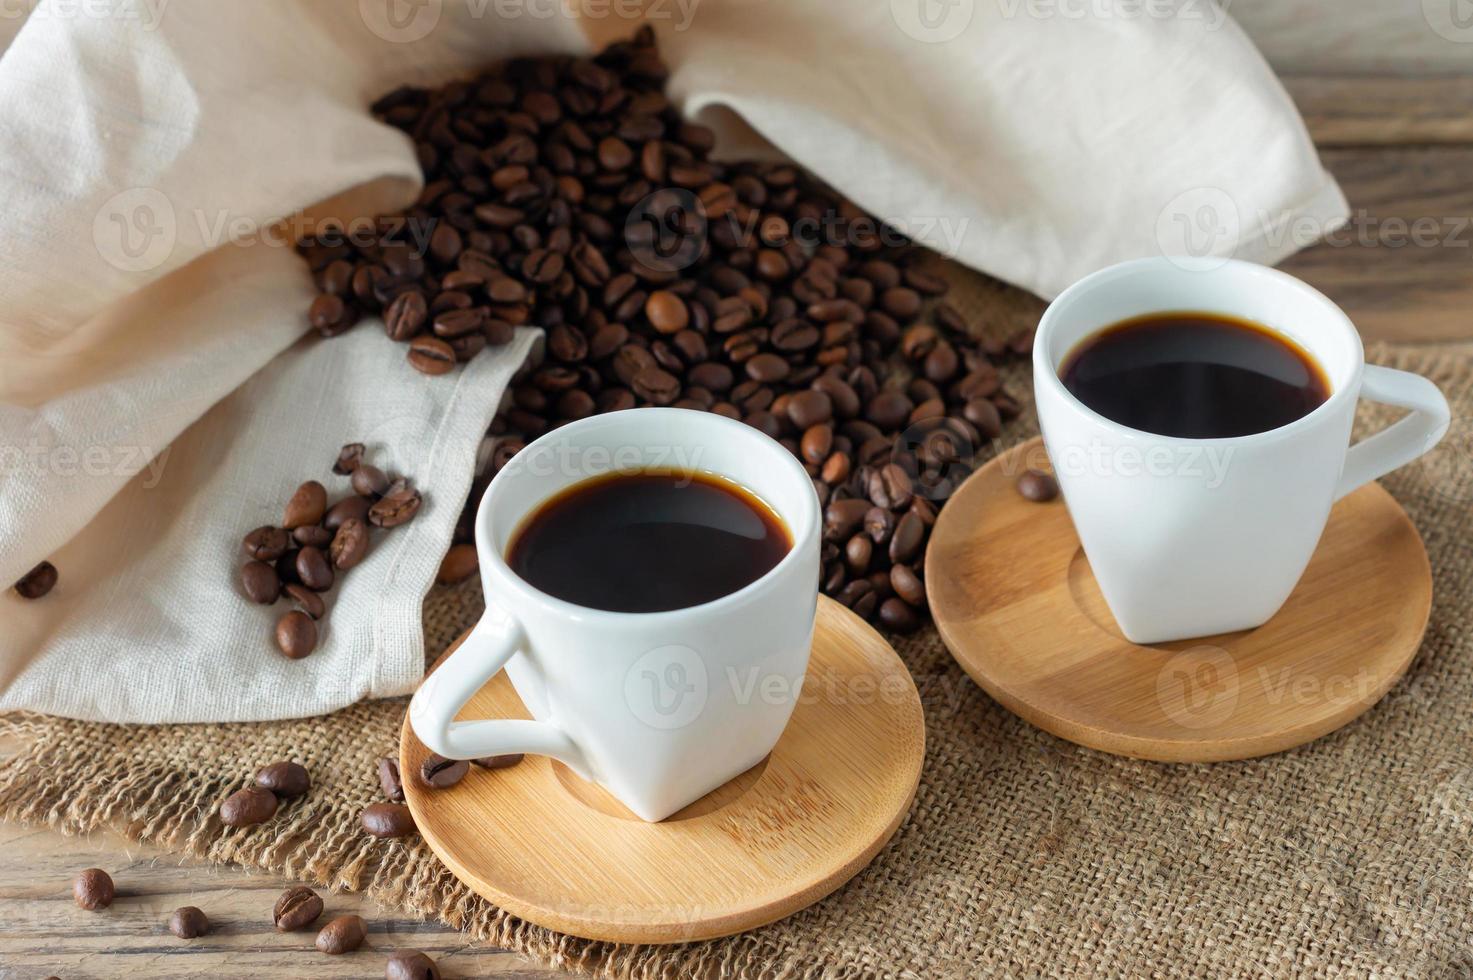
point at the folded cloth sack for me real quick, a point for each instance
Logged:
(157, 399)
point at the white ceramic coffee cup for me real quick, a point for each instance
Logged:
(1191, 537)
(658, 708)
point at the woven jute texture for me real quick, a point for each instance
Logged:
(1023, 855)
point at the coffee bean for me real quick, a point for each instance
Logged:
(296, 634)
(369, 481)
(889, 409)
(189, 922)
(267, 543)
(307, 505)
(440, 772)
(342, 935)
(260, 582)
(297, 908)
(286, 779)
(810, 408)
(890, 487)
(656, 386)
(1038, 486)
(817, 444)
(353, 507)
(411, 964)
(431, 355)
(248, 807)
(313, 569)
(905, 543)
(879, 524)
(349, 544)
(842, 517)
(405, 317)
(388, 780)
(836, 469)
(306, 600)
(397, 507)
(907, 585)
(666, 311)
(857, 554)
(313, 535)
(93, 889)
(498, 761)
(388, 820)
(459, 564)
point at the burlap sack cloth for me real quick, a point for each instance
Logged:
(1023, 855)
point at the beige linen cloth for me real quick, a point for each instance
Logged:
(157, 400)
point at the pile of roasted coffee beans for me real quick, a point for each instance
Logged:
(301, 559)
(393, 819)
(567, 193)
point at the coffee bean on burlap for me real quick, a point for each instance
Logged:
(286, 779)
(93, 889)
(306, 506)
(1038, 486)
(459, 564)
(189, 922)
(260, 582)
(397, 507)
(306, 600)
(37, 582)
(247, 807)
(431, 355)
(297, 908)
(411, 964)
(296, 634)
(388, 820)
(439, 772)
(342, 935)
(907, 585)
(267, 543)
(388, 780)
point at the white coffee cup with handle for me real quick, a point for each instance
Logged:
(658, 708)
(1193, 537)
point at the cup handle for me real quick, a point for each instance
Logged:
(1397, 444)
(433, 708)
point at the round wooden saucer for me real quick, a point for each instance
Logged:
(1015, 601)
(562, 853)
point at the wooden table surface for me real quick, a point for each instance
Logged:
(1402, 149)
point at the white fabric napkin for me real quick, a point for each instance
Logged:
(156, 401)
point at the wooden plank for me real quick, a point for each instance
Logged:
(1375, 110)
(43, 932)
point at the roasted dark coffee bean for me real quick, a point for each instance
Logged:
(907, 585)
(397, 507)
(306, 506)
(314, 535)
(267, 543)
(459, 564)
(388, 780)
(809, 408)
(411, 964)
(93, 889)
(459, 323)
(440, 772)
(896, 614)
(984, 415)
(286, 779)
(349, 545)
(1038, 486)
(369, 481)
(297, 908)
(431, 355)
(666, 311)
(342, 935)
(354, 507)
(889, 409)
(388, 820)
(260, 582)
(857, 554)
(890, 487)
(498, 761)
(767, 368)
(406, 316)
(248, 807)
(879, 524)
(836, 469)
(314, 570)
(296, 634)
(306, 600)
(842, 517)
(189, 922)
(905, 543)
(656, 386)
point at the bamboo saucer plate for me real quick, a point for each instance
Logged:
(1015, 602)
(560, 852)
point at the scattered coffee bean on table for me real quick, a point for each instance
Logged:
(37, 582)
(342, 935)
(498, 761)
(93, 889)
(296, 635)
(189, 922)
(1038, 486)
(297, 908)
(411, 964)
(388, 820)
(663, 277)
(388, 780)
(248, 807)
(439, 772)
(286, 779)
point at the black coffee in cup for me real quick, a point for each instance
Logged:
(648, 541)
(1194, 376)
